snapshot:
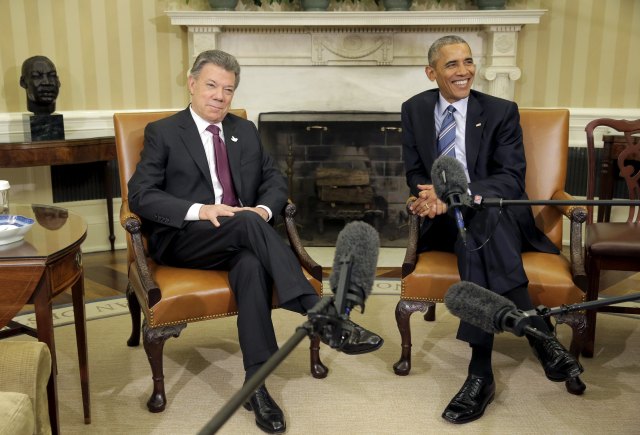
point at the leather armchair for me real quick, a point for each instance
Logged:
(553, 279)
(171, 297)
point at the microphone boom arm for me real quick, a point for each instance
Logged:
(321, 318)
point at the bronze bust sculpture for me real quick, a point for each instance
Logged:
(40, 79)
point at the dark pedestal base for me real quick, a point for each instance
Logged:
(43, 127)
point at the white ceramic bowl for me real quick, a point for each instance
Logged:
(13, 228)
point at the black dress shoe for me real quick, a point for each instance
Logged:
(558, 364)
(269, 416)
(356, 339)
(471, 401)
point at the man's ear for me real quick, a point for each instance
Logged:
(430, 72)
(22, 82)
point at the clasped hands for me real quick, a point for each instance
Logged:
(427, 204)
(211, 212)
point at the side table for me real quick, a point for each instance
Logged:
(62, 152)
(45, 263)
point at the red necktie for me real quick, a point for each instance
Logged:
(222, 168)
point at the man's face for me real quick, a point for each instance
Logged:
(212, 92)
(41, 82)
(453, 71)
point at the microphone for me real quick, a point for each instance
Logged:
(354, 266)
(489, 311)
(450, 184)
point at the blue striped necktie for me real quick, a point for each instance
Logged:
(447, 136)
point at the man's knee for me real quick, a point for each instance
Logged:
(249, 219)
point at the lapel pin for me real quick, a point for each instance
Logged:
(478, 124)
(234, 139)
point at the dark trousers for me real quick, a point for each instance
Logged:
(491, 258)
(258, 261)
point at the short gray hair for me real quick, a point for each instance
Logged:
(434, 50)
(220, 58)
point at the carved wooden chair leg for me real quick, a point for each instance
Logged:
(577, 322)
(404, 309)
(318, 370)
(134, 310)
(153, 341)
(593, 288)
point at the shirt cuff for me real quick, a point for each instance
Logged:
(193, 214)
(264, 207)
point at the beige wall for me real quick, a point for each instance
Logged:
(584, 53)
(124, 54)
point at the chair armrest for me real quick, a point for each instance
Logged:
(577, 216)
(411, 253)
(132, 223)
(25, 367)
(314, 269)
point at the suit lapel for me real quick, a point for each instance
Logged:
(193, 144)
(233, 142)
(473, 136)
(428, 127)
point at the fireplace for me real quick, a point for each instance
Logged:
(341, 166)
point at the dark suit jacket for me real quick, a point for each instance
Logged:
(495, 153)
(173, 174)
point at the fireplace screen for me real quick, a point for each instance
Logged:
(340, 167)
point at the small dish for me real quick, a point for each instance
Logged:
(13, 228)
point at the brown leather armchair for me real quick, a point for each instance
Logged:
(171, 297)
(553, 279)
(612, 245)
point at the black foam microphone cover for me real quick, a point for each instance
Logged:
(450, 181)
(359, 242)
(477, 305)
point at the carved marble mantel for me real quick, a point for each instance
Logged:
(362, 38)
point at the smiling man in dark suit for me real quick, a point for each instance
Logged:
(483, 133)
(207, 192)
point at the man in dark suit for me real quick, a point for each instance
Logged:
(483, 133)
(207, 192)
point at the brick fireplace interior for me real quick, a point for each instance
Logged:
(341, 166)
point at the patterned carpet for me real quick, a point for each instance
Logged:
(361, 395)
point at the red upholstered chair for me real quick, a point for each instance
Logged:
(171, 297)
(612, 245)
(553, 279)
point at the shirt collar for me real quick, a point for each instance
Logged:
(460, 105)
(202, 124)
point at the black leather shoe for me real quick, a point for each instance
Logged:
(558, 364)
(471, 401)
(269, 416)
(359, 340)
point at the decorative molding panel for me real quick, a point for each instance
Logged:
(266, 39)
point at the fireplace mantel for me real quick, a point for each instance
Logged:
(261, 19)
(361, 38)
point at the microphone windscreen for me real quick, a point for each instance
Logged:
(361, 241)
(476, 305)
(448, 177)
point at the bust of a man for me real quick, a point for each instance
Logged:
(40, 79)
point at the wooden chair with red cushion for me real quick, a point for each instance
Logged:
(612, 245)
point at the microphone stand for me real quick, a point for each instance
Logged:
(325, 319)
(499, 202)
(589, 305)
